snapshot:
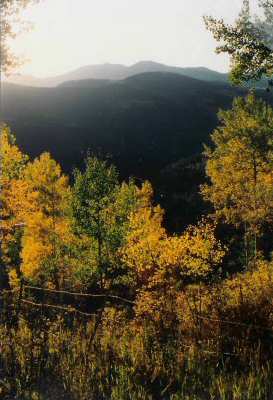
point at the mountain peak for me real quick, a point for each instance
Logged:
(146, 62)
(109, 71)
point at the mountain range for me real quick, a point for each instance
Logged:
(117, 72)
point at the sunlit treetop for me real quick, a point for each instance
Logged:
(10, 17)
(240, 164)
(11, 158)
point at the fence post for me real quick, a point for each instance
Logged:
(20, 298)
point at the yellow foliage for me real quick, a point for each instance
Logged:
(13, 189)
(48, 187)
(251, 288)
(158, 306)
(46, 222)
(240, 165)
(142, 249)
(162, 263)
(37, 244)
(12, 159)
(194, 253)
(14, 279)
(159, 259)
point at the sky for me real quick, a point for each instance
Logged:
(68, 34)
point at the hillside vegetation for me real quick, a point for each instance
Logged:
(132, 120)
(100, 301)
(145, 123)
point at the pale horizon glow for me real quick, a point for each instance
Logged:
(69, 34)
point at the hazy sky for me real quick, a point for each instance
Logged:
(72, 33)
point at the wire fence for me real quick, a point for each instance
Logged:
(110, 297)
(75, 294)
(57, 307)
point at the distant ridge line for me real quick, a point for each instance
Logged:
(114, 72)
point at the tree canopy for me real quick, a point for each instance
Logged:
(240, 166)
(10, 14)
(249, 42)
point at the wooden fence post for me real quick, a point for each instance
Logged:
(20, 298)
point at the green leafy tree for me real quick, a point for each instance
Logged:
(93, 195)
(101, 210)
(249, 42)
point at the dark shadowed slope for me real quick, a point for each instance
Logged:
(145, 122)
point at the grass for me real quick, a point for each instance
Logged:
(44, 359)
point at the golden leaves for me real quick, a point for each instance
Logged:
(240, 166)
(45, 219)
(161, 262)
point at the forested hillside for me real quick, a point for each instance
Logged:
(145, 123)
